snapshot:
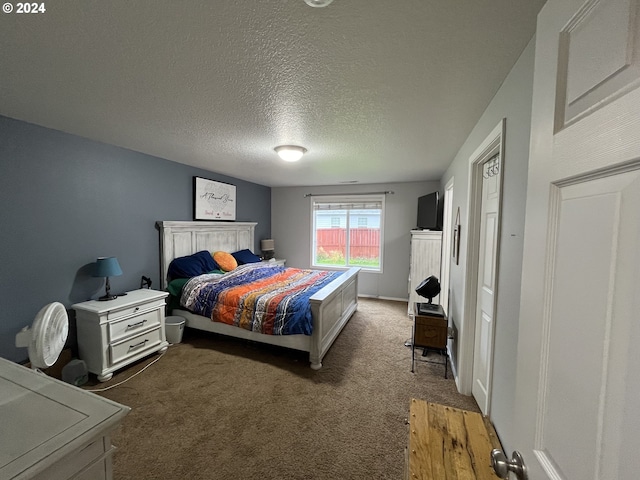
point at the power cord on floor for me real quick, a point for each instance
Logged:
(128, 378)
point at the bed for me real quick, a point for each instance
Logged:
(331, 307)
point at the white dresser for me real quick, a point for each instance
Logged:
(52, 430)
(426, 252)
(115, 333)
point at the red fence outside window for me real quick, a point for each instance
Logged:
(364, 244)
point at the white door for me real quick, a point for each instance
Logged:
(578, 387)
(485, 303)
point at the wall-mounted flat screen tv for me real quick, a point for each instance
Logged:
(429, 212)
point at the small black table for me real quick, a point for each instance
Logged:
(430, 327)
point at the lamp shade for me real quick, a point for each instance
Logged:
(107, 267)
(267, 244)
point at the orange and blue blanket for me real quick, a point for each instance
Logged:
(273, 300)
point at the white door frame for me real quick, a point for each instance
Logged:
(467, 333)
(445, 262)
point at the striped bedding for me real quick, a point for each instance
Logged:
(273, 300)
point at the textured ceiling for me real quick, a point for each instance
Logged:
(377, 90)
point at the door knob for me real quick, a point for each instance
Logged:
(502, 466)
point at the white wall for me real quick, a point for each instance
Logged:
(513, 102)
(291, 230)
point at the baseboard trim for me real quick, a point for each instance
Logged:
(454, 371)
(393, 299)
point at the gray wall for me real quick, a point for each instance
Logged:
(291, 224)
(513, 102)
(67, 200)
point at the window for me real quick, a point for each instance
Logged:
(347, 231)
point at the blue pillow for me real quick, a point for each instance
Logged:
(246, 256)
(191, 265)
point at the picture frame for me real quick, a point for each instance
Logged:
(455, 250)
(213, 200)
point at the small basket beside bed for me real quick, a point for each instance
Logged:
(331, 307)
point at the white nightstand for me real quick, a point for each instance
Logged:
(275, 261)
(115, 333)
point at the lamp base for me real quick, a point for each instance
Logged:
(107, 297)
(434, 310)
(268, 254)
(107, 292)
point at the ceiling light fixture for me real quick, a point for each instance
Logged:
(290, 153)
(318, 3)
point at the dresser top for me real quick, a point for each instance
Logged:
(43, 419)
(427, 233)
(132, 298)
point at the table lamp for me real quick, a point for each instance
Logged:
(429, 288)
(107, 267)
(268, 248)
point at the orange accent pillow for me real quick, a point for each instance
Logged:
(225, 261)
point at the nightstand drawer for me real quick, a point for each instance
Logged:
(435, 337)
(134, 345)
(431, 332)
(132, 325)
(135, 310)
(431, 321)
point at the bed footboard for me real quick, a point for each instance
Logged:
(331, 308)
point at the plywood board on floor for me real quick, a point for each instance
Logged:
(447, 443)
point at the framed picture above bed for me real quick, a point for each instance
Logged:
(213, 200)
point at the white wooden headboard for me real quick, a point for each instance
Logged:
(178, 239)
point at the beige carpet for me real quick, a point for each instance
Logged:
(219, 408)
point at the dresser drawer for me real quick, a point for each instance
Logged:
(135, 309)
(134, 324)
(132, 346)
(101, 470)
(70, 466)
